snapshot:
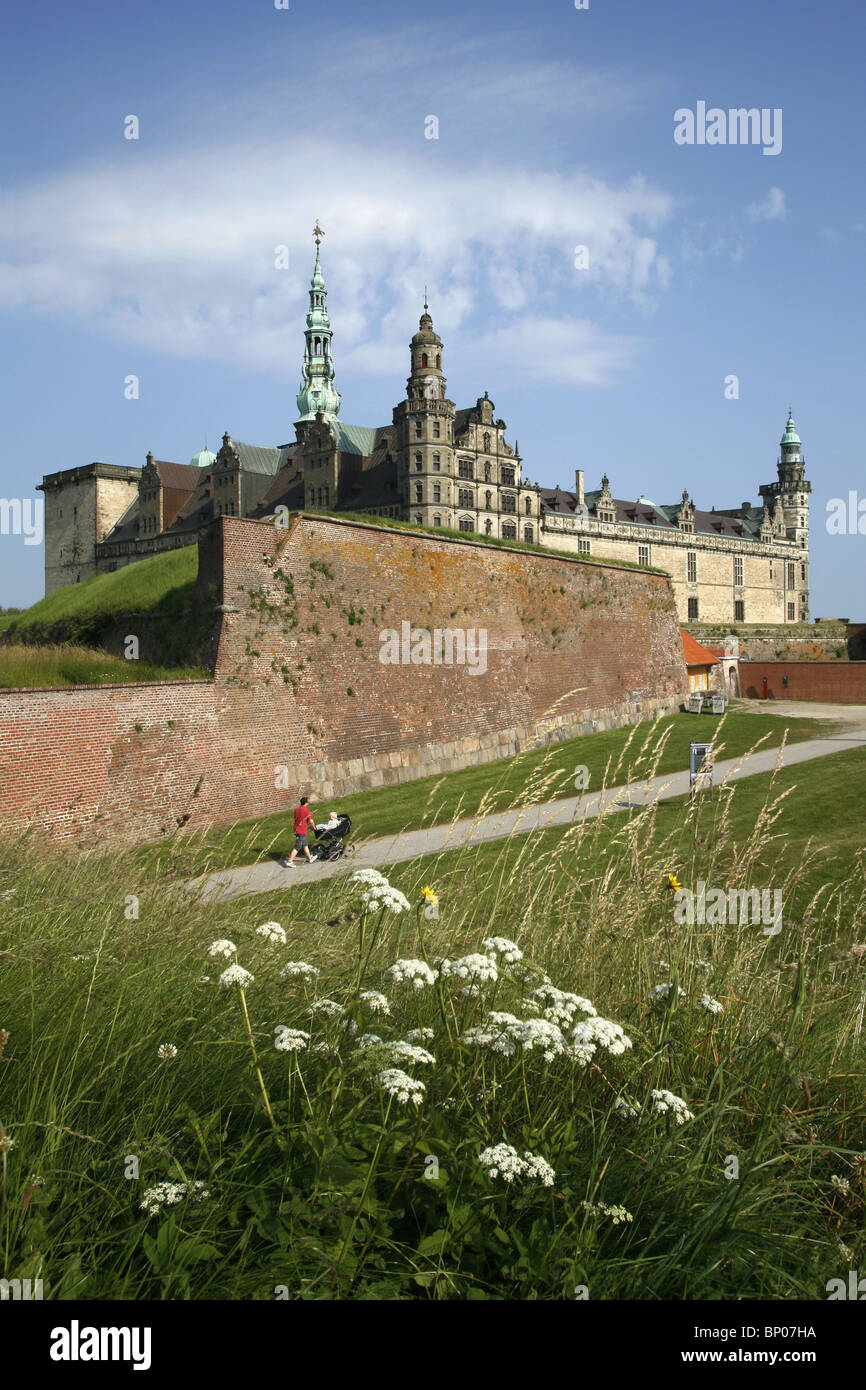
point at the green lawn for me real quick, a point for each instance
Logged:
(22, 665)
(534, 776)
(137, 588)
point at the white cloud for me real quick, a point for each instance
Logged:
(177, 255)
(771, 208)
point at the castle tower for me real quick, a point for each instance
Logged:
(791, 495)
(81, 506)
(425, 433)
(318, 391)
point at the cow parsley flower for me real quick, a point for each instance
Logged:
(470, 991)
(665, 1102)
(367, 877)
(625, 1111)
(495, 1033)
(594, 1033)
(370, 1040)
(401, 1087)
(618, 1215)
(329, 1007)
(376, 1002)
(236, 975)
(503, 1161)
(420, 1035)
(273, 933)
(290, 1039)
(539, 1033)
(478, 969)
(711, 1005)
(166, 1051)
(411, 1052)
(508, 950)
(383, 897)
(169, 1194)
(659, 992)
(559, 1006)
(299, 967)
(412, 972)
(223, 947)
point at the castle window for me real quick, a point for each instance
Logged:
(791, 612)
(583, 546)
(738, 571)
(692, 567)
(693, 609)
(487, 443)
(465, 468)
(464, 497)
(327, 496)
(419, 520)
(318, 347)
(509, 531)
(438, 360)
(803, 572)
(419, 495)
(423, 359)
(437, 493)
(466, 523)
(528, 533)
(527, 505)
(417, 463)
(437, 520)
(487, 499)
(436, 462)
(508, 477)
(792, 579)
(417, 429)
(739, 611)
(643, 554)
(437, 430)
(508, 502)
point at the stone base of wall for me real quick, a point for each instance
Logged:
(327, 781)
(826, 641)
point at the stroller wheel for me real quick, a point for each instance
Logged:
(351, 848)
(336, 855)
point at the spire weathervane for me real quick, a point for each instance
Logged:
(317, 233)
(425, 299)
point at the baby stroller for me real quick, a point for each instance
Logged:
(331, 844)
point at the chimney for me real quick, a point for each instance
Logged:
(578, 485)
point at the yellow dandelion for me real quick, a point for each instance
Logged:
(673, 881)
(429, 896)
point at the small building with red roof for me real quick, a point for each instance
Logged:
(699, 662)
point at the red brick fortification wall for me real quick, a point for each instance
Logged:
(841, 682)
(301, 701)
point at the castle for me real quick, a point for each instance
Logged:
(436, 466)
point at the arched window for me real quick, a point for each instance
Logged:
(436, 463)
(423, 359)
(317, 348)
(418, 463)
(527, 533)
(419, 496)
(437, 521)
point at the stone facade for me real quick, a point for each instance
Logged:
(82, 505)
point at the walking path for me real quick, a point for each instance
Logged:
(411, 844)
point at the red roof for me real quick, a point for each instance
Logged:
(694, 653)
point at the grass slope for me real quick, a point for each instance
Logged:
(22, 666)
(138, 588)
(319, 1183)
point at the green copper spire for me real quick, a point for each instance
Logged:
(318, 391)
(790, 437)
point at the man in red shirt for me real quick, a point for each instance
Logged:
(303, 819)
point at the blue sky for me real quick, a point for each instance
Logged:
(155, 257)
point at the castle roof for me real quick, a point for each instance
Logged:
(743, 522)
(694, 653)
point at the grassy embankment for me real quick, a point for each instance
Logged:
(320, 1184)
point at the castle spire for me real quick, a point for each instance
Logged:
(318, 390)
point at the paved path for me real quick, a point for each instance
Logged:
(411, 844)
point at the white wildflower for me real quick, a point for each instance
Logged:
(495, 1033)
(166, 1051)
(625, 1111)
(236, 975)
(503, 1161)
(329, 1007)
(273, 933)
(665, 1102)
(370, 1040)
(618, 1215)
(376, 1002)
(412, 972)
(539, 1033)
(290, 1039)
(478, 969)
(411, 1052)
(559, 1006)
(508, 950)
(470, 991)
(711, 1005)
(383, 897)
(349, 1026)
(223, 947)
(299, 967)
(594, 1033)
(846, 1253)
(168, 1194)
(420, 1035)
(367, 877)
(401, 1087)
(660, 992)
(35, 1181)
(841, 1184)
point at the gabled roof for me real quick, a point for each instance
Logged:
(694, 653)
(181, 476)
(745, 524)
(356, 439)
(255, 459)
